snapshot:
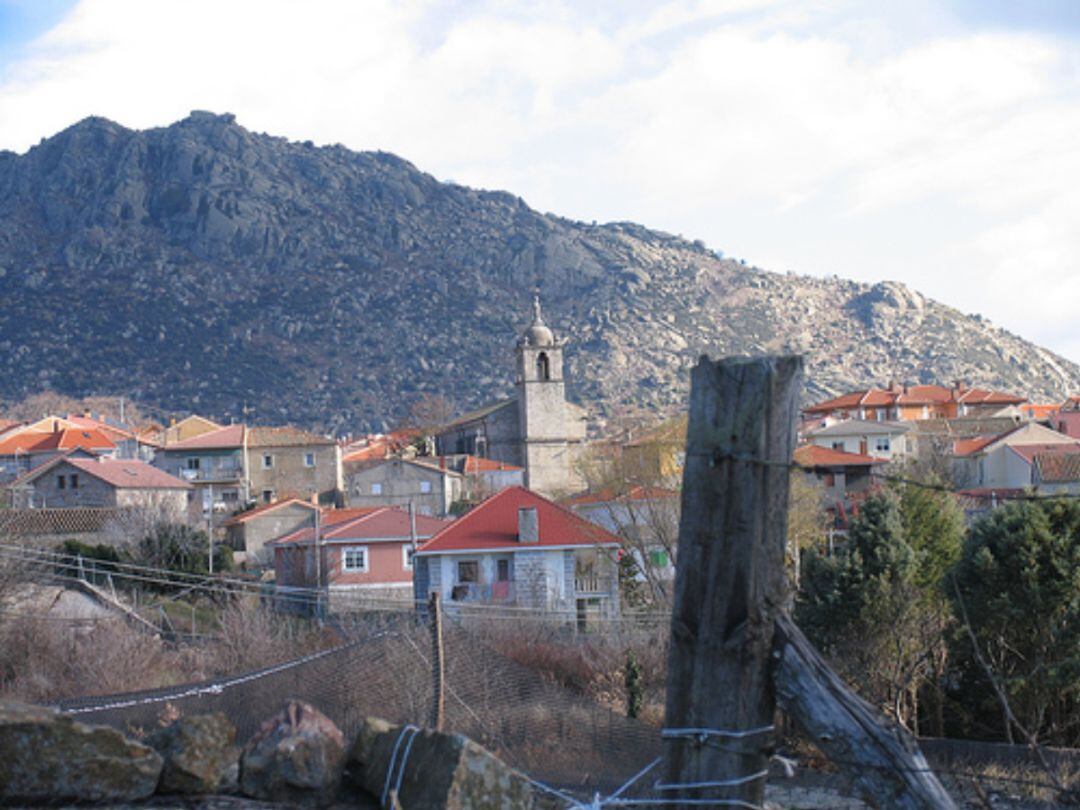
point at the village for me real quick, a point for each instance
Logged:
(516, 504)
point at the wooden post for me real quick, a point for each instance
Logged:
(730, 584)
(881, 759)
(438, 675)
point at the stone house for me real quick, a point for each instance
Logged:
(235, 465)
(431, 489)
(80, 481)
(536, 429)
(289, 462)
(29, 446)
(432, 484)
(892, 441)
(519, 549)
(364, 554)
(247, 533)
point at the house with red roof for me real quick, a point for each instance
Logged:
(247, 533)
(840, 473)
(913, 402)
(24, 448)
(892, 440)
(356, 556)
(519, 549)
(79, 480)
(1006, 461)
(1067, 418)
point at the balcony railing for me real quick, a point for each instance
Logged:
(229, 473)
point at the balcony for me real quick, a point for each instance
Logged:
(214, 475)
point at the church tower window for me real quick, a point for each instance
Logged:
(543, 367)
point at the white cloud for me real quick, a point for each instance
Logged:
(814, 137)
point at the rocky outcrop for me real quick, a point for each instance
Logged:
(295, 756)
(48, 758)
(204, 266)
(200, 755)
(429, 770)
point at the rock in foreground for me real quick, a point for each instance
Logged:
(296, 756)
(48, 758)
(200, 755)
(437, 771)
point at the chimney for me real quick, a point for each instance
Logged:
(442, 462)
(894, 387)
(315, 498)
(528, 525)
(959, 386)
(56, 426)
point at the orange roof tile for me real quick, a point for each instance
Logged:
(225, 438)
(119, 473)
(811, 455)
(609, 495)
(262, 509)
(967, 447)
(376, 523)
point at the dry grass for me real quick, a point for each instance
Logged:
(43, 659)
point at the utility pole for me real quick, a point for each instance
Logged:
(210, 527)
(318, 562)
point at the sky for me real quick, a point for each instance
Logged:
(932, 143)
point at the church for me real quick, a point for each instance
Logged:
(536, 428)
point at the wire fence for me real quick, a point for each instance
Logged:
(500, 692)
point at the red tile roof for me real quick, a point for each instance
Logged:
(1058, 468)
(8, 424)
(967, 447)
(609, 495)
(475, 464)
(377, 523)
(1029, 451)
(376, 450)
(119, 473)
(226, 438)
(811, 455)
(914, 395)
(68, 439)
(493, 526)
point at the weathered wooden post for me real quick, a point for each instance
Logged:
(730, 585)
(438, 674)
(734, 650)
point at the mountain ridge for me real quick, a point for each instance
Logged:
(204, 266)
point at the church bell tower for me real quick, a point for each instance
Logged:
(550, 433)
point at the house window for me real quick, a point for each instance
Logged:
(230, 496)
(376, 489)
(74, 481)
(268, 461)
(502, 570)
(882, 444)
(193, 463)
(425, 487)
(309, 459)
(837, 445)
(267, 495)
(407, 557)
(60, 481)
(354, 559)
(468, 571)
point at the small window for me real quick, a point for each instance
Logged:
(354, 559)
(193, 463)
(376, 489)
(61, 481)
(837, 445)
(425, 487)
(407, 553)
(309, 459)
(267, 495)
(74, 481)
(468, 571)
(230, 496)
(882, 444)
(268, 461)
(502, 570)
(543, 367)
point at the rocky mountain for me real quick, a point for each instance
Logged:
(204, 266)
